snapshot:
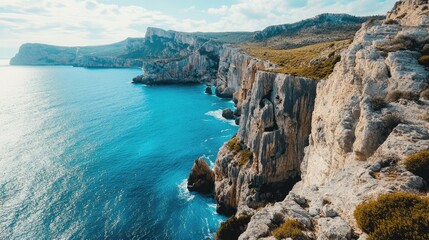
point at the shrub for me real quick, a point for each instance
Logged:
(290, 229)
(378, 103)
(234, 145)
(306, 61)
(394, 216)
(390, 21)
(424, 60)
(418, 163)
(390, 121)
(245, 157)
(425, 94)
(232, 228)
(425, 117)
(397, 94)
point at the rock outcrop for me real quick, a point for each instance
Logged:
(237, 71)
(262, 162)
(227, 113)
(209, 90)
(201, 178)
(356, 145)
(199, 66)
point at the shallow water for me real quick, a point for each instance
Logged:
(84, 154)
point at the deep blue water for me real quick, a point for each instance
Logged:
(84, 154)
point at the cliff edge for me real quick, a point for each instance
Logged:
(368, 116)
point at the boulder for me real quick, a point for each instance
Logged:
(138, 79)
(228, 113)
(209, 90)
(201, 179)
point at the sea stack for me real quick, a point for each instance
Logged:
(201, 179)
(227, 113)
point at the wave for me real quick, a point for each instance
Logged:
(184, 192)
(218, 115)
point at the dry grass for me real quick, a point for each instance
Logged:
(315, 61)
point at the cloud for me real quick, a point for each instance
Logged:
(253, 15)
(83, 22)
(218, 11)
(78, 22)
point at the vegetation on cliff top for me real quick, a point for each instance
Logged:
(235, 147)
(290, 229)
(418, 163)
(315, 61)
(232, 228)
(394, 216)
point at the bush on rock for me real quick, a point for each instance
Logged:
(394, 216)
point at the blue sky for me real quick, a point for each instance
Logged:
(92, 22)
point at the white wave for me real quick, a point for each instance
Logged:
(218, 115)
(184, 192)
(225, 130)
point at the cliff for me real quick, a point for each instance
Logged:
(261, 163)
(177, 57)
(236, 73)
(326, 27)
(112, 55)
(182, 58)
(357, 145)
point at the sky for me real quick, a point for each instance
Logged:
(94, 22)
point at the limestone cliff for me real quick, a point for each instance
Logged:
(262, 162)
(199, 66)
(357, 145)
(236, 73)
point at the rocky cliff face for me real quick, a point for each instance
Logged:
(199, 66)
(357, 145)
(410, 13)
(262, 161)
(179, 58)
(236, 73)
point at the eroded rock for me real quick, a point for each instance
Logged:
(201, 178)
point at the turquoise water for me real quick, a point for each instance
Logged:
(84, 154)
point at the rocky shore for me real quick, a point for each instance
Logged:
(318, 149)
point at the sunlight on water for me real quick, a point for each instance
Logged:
(84, 154)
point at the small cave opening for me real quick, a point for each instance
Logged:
(276, 192)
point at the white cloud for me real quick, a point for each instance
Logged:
(218, 11)
(83, 22)
(77, 22)
(253, 15)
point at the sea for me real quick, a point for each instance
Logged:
(86, 154)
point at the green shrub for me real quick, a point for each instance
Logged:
(378, 103)
(245, 157)
(394, 216)
(424, 60)
(425, 94)
(232, 228)
(234, 145)
(418, 163)
(290, 229)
